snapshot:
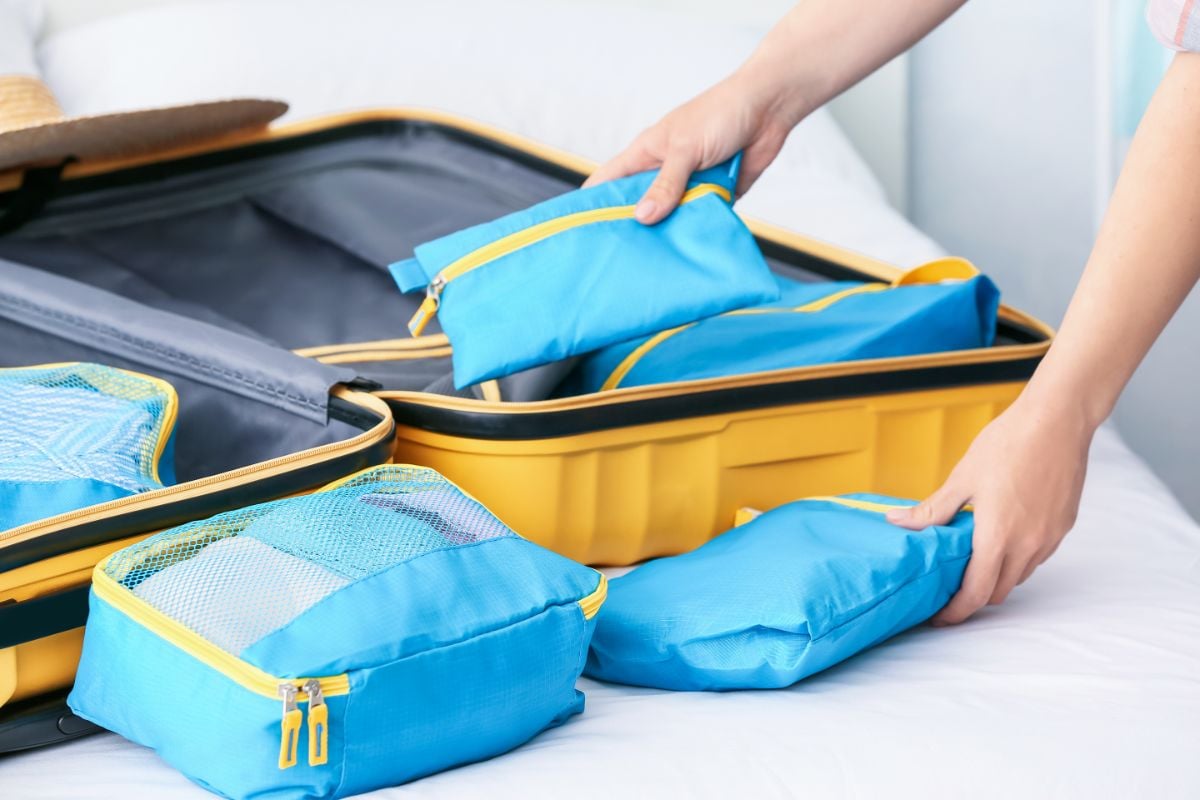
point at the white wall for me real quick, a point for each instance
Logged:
(1008, 138)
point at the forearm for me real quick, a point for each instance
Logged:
(823, 47)
(1145, 260)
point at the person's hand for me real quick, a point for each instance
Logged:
(740, 113)
(1023, 474)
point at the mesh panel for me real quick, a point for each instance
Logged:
(81, 421)
(241, 575)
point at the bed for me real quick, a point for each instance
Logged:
(1086, 683)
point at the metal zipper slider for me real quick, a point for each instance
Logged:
(429, 306)
(318, 724)
(289, 726)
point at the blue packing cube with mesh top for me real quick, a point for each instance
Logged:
(73, 435)
(943, 305)
(790, 593)
(381, 629)
(578, 272)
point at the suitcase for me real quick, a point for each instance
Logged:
(305, 217)
(255, 422)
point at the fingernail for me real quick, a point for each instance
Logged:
(645, 210)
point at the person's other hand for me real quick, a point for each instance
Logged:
(1023, 474)
(737, 114)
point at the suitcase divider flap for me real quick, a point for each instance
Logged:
(167, 342)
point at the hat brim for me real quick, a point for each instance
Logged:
(130, 133)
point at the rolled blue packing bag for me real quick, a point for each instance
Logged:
(578, 272)
(73, 435)
(941, 306)
(786, 595)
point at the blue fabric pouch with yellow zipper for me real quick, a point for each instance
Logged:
(785, 595)
(578, 272)
(74, 435)
(941, 306)
(381, 629)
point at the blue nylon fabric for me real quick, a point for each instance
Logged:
(905, 320)
(22, 502)
(432, 600)
(461, 649)
(764, 605)
(434, 710)
(465, 702)
(218, 734)
(595, 284)
(409, 275)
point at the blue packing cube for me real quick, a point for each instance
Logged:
(792, 592)
(381, 629)
(578, 272)
(940, 306)
(73, 435)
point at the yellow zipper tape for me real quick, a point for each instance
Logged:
(590, 605)
(240, 672)
(868, 505)
(432, 342)
(862, 505)
(361, 356)
(630, 361)
(529, 236)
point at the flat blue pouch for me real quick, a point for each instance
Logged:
(578, 272)
(74, 435)
(788, 594)
(381, 629)
(941, 306)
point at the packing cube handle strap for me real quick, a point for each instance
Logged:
(952, 268)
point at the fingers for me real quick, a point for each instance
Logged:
(937, 509)
(668, 187)
(756, 158)
(978, 584)
(632, 160)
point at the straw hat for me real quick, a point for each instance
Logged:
(34, 129)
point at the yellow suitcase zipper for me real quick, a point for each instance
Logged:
(526, 237)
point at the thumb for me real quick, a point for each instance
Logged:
(667, 189)
(937, 509)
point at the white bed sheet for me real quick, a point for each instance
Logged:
(1085, 684)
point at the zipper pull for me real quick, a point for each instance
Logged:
(428, 307)
(318, 724)
(290, 726)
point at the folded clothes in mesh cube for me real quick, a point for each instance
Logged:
(940, 306)
(383, 628)
(578, 272)
(73, 435)
(792, 592)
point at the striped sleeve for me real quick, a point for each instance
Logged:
(1176, 23)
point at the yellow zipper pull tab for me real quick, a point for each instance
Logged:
(429, 306)
(318, 724)
(289, 727)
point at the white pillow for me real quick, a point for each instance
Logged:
(20, 23)
(584, 78)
